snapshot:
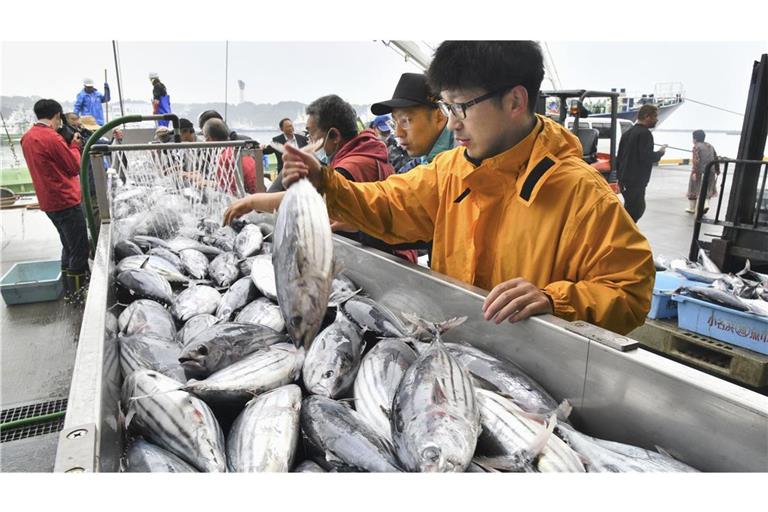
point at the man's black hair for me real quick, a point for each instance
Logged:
(488, 65)
(205, 116)
(333, 112)
(282, 121)
(47, 109)
(699, 135)
(216, 130)
(185, 125)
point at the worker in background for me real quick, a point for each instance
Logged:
(396, 155)
(421, 128)
(161, 101)
(703, 154)
(187, 130)
(514, 209)
(288, 136)
(212, 114)
(215, 130)
(89, 100)
(359, 157)
(54, 166)
(635, 160)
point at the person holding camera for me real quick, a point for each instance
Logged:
(52, 152)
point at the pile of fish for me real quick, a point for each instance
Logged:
(746, 290)
(243, 356)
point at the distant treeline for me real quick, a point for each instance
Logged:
(243, 115)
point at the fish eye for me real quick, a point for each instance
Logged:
(328, 374)
(202, 350)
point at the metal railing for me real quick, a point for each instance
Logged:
(750, 217)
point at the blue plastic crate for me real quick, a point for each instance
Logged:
(32, 281)
(662, 305)
(728, 325)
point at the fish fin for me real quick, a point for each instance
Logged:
(336, 299)
(438, 393)
(488, 469)
(563, 410)
(129, 418)
(514, 462)
(143, 265)
(542, 438)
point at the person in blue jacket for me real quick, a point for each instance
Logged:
(89, 100)
(161, 102)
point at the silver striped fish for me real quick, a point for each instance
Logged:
(610, 457)
(160, 265)
(248, 241)
(239, 294)
(265, 435)
(333, 359)
(196, 300)
(308, 466)
(193, 327)
(194, 263)
(145, 457)
(512, 440)
(435, 417)
(147, 351)
(303, 261)
(503, 377)
(147, 317)
(263, 370)
(380, 373)
(262, 311)
(263, 275)
(338, 438)
(175, 420)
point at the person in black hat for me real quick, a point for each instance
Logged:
(420, 127)
(187, 130)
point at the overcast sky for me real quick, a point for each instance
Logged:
(367, 71)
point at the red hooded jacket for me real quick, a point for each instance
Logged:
(364, 159)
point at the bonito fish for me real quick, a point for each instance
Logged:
(265, 435)
(175, 420)
(303, 260)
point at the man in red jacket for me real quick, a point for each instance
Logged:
(360, 157)
(55, 170)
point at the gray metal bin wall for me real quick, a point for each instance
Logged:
(633, 396)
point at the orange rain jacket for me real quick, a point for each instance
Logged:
(536, 211)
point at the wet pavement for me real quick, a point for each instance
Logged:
(38, 341)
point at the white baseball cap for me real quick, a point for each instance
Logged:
(88, 82)
(153, 75)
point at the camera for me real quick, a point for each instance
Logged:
(66, 130)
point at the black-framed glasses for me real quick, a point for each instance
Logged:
(459, 110)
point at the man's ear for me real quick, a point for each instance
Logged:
(516, 99)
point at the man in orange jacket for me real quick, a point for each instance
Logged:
(513, 209)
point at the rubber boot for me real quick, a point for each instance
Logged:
(80, 287)
(706, 206)
(691, 206)
(69, 284)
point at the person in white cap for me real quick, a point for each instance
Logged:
(89, 100)
(161, 102)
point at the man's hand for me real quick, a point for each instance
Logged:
(663, 148)
(238, 209)
(337, 226)
(516, 300)
(298, 165)
(77, 140)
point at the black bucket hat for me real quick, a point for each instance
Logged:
(411, 91)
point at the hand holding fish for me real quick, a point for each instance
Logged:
(516, 300)
(299, 164)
